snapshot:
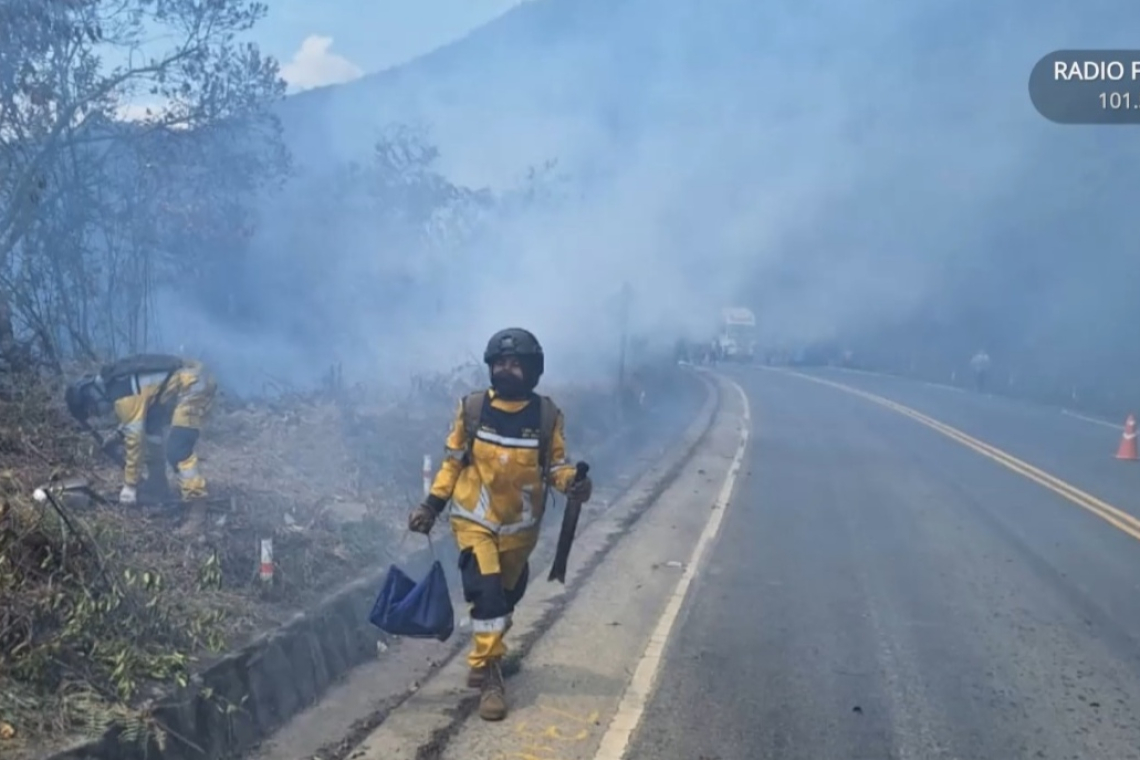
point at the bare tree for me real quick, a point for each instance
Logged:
(109, 174)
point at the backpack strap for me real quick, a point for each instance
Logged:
(473, 404)
(472, 418)
(548, 416)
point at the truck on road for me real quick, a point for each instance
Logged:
(736, 336)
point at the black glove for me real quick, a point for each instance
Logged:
(421, 519)
(580, 490)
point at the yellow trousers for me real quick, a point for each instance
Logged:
(494, 581)
(194, 403)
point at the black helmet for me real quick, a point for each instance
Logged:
(83, 396)
(515, 341)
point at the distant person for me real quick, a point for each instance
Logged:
(506, 446)
(160, 402)
(980, 364)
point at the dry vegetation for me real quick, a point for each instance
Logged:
(101, 605)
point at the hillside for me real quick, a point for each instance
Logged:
(848, 171)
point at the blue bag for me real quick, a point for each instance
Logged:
(416, 610)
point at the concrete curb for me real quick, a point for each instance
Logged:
(245, 696)
(249, 693)
(426, 721)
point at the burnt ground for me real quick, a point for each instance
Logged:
(101, 606)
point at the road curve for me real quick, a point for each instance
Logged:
(880, 590)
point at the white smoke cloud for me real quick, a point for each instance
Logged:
(315, 65)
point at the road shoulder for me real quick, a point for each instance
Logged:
(576, 656)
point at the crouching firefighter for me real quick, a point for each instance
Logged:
(159, 402)
(506, 446)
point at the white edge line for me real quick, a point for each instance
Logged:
(615, 742)
(943, 386)
(1093, 420)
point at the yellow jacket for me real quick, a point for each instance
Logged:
(501, 488)
(180, 398)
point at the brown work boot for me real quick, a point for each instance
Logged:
(493, 699)
(196, 512)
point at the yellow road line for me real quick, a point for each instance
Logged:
(1118, 518)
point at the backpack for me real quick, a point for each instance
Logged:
(548, 415)
(115, 374)
(140, 364)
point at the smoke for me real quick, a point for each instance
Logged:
(836, 168)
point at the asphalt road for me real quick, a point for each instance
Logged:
(879, 590)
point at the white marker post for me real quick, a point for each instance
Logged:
(427, 474)
(266, 571)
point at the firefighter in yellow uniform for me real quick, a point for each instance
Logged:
(160, 402)
(505, 447)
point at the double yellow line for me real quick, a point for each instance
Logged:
(1116, 517)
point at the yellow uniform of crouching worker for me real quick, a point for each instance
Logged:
(503, 451)
(159, 402)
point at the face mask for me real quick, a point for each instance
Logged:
(509, 385)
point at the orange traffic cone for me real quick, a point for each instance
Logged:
(1127, 449)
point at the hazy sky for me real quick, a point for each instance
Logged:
(338, 40)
